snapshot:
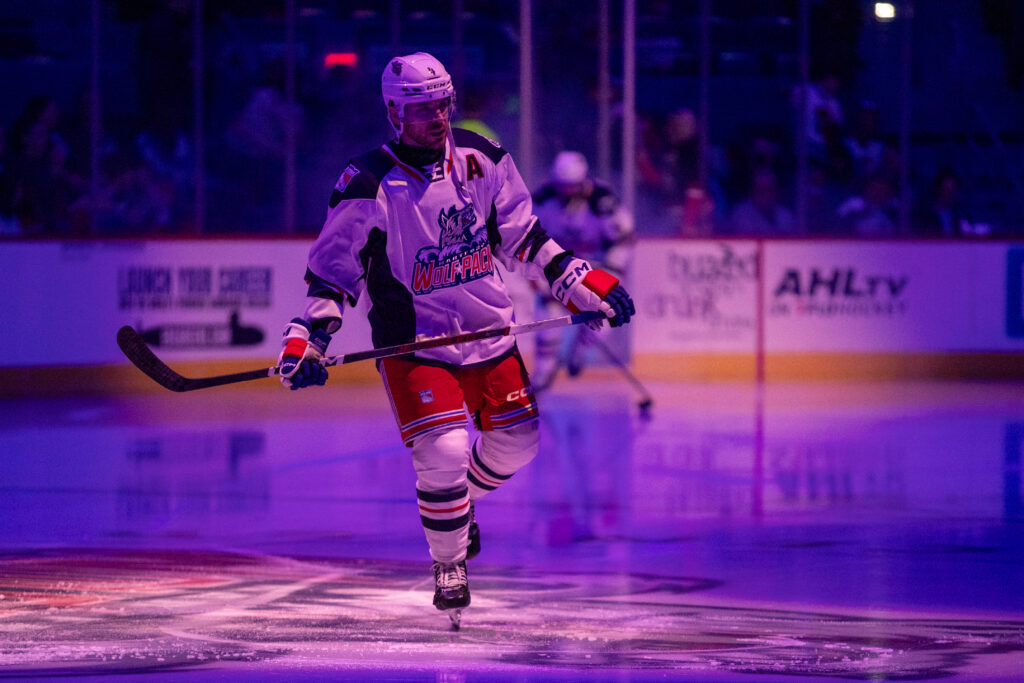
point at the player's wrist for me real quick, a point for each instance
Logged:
(557, 266)
(547, 253)
(319, 340)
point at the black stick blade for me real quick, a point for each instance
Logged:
(142, 357)
(136, 350)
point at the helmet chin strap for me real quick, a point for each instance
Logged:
(460, 187)
(399, 116)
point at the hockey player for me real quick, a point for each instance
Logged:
(584, 215)
(416, 225)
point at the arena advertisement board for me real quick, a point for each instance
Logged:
(189, 299)
(696, 296)
(229, 299)
(885, 297)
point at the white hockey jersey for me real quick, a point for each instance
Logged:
(423, 248)
(593, 224)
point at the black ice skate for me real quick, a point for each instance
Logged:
(473, 549)
(451, 589)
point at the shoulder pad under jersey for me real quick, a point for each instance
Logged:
(603, 201)
(544, 194)
(467, 138)
(362, 177)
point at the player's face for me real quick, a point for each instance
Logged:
(426, 123)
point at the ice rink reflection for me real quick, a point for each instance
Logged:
(855, 531)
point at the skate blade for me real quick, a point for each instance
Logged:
(456, 618)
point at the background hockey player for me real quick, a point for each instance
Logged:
(584, 215)
(416, 225)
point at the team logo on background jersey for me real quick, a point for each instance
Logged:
(460, 256)
(347, 175)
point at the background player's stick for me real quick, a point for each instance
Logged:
(135, 348)
(646, 400)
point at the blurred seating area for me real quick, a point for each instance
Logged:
(140, 118)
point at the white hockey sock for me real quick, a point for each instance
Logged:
(445, 517)
(443, 497)
(497, 455)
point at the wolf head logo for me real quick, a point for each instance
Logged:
(460, 256)
(455, 227)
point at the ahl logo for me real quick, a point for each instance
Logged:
(460, 256)
(839, 291)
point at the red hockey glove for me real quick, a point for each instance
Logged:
(582, 288)
(299, 363)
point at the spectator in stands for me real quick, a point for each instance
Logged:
(654, 184)
(941, 215)
(165, 144)
(43, 187)
(824, 197)
(135, 200)
(258, 137)
(761, 214)
(668, 156)
(162, 71)
(668, 170)
(682, 148)
(9, 225)
(695, 214)
(823, 109)
(864, 146)
(873, 212)
(472, 108)
(742, 158)
(834, 156)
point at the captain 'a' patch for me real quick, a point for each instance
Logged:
(473, 168)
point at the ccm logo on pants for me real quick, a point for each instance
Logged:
(521, 393)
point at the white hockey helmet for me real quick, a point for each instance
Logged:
(418, 77)
(569, 168)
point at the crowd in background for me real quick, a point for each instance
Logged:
(750, 190)
(147, 162)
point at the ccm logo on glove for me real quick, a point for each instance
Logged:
(582, 288)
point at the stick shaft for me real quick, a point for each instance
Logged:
(139, 353)
(433, 343)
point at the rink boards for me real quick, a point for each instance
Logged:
(707, 308)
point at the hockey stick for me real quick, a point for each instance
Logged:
(142, 357)
(646, 400)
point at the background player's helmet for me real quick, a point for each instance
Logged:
(569, 168)
(413, 78)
